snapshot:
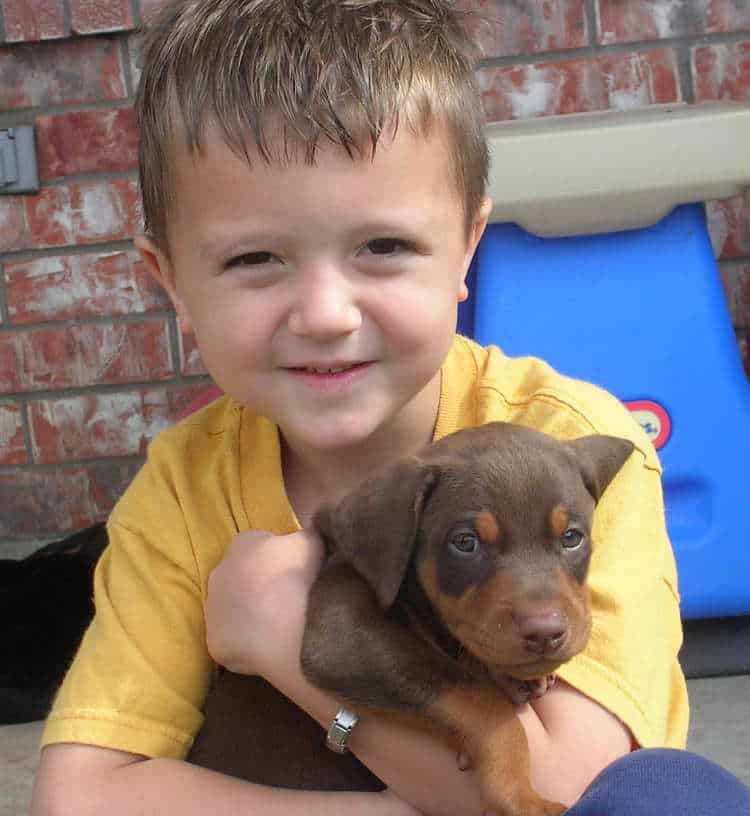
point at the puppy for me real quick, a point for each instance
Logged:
(454, 586)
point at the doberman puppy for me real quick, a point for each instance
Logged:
(453, 587)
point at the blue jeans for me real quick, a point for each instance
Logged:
(663, 782)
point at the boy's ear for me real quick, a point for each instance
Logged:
(161, 269)
(475, 233)
(480, 222)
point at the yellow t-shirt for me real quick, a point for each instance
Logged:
(142, 671)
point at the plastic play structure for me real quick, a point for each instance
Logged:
(599, 261)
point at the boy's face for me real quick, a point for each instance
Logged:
(322, 296)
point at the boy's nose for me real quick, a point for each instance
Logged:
(324, 307)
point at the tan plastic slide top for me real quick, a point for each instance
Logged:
(602, 172)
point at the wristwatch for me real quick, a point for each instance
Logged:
(340, 730)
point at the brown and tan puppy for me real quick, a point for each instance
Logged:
(457, 572)
(453, 588)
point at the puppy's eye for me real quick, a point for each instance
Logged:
(572, 538)
(465, 543)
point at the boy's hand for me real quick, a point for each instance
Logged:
(257, 598)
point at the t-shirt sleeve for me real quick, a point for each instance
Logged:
(142, 671)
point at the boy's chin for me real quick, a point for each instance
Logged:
(332, 436)
(331, 440)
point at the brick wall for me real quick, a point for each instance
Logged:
(91, 361)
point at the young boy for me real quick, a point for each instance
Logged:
(313, 179)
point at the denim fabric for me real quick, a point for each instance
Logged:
(664, 782)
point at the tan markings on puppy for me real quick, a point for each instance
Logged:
(487, 527)
(559, 519)
(448, 608)
(577, 607)
(479, 710)
(480, 618)
(490, 735)
(428, 578)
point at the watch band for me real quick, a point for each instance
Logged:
(340, 730)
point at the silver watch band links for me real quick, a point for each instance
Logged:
(340, 730)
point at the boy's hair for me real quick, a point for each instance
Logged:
(281, 74)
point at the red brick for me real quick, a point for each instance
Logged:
(91, 141)
(104, 425)
(76, 356)
(502, 29)
(13, 229)
(134, 58)
(49, 502)
(70, 214)
(634, 20)
(33, 20)
(67, 287)
(148, 9)
(151, 7)
(84, 70)
(736, 280)
(190, 357)
(617, 81)
(100, 16)
(729, 224)
(12, 443)
(722, 71)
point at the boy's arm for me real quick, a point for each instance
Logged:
(83, 780)
(572, 738)
(580, 739)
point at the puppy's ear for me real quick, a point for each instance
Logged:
(375, 527)
(599, 458)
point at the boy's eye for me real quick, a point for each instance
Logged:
(251, 259)
(385, 246)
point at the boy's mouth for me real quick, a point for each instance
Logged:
(327, 377)
(339, 368)
(336, 370)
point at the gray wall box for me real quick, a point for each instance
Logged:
(18, 167)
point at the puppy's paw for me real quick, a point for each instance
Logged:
(541, 685)
(521, 691)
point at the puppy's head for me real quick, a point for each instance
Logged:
(498, 521)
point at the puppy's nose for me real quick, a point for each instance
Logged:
(542, 632)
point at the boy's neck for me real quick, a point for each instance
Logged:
(313, 477)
